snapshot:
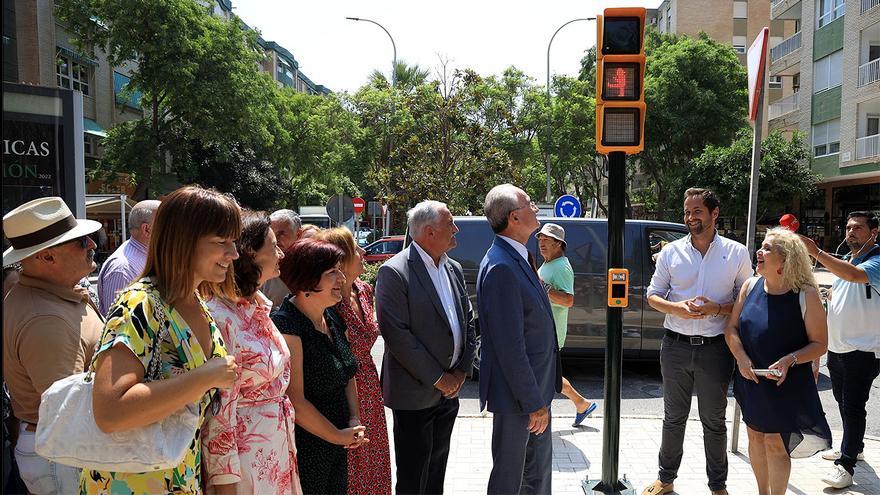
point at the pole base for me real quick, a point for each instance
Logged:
(597, 487)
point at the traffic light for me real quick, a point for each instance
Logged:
(620, 75)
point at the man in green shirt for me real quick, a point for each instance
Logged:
(558, 278)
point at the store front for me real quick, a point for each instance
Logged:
(823, 217)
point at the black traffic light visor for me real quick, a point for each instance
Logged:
(621, 36)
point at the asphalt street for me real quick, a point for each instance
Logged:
(642, 392)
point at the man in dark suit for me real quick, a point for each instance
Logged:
(427, 322)
(520, 370)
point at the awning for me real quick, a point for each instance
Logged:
(106, 204)
(93, 128)
(77, 56)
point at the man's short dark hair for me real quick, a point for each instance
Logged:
(710, 199)
(869, 216)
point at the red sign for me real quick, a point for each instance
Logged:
(359, 205)
(756, 61)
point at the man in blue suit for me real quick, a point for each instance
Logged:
(520, 370)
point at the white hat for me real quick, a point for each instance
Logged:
(40, 224)
(553, 230)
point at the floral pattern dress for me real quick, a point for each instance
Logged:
(133, 324)
(250, 441)
(369, 466)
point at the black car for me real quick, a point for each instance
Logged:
(587, 245)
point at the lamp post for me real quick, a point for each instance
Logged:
(387, 219)
(547, 155)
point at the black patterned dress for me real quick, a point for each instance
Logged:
(327, 366)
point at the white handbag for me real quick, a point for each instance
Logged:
(67, 433)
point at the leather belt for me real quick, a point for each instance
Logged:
(694, 339)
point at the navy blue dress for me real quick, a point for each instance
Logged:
(771, 326)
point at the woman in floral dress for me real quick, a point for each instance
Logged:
(369, 467)
(248, 446)
(193, 363)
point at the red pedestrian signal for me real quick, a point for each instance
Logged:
(620, 92)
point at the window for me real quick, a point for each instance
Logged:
(72, 75)
(740, 10)
(739, 44)
(796, 82)
(125, 95)
(775, 82)
(829, 10)
(88, 145)
(873, 52)
(873, 125)
(285, 73)
(828, 71)
(826, 138)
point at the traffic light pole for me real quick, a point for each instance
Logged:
(610, 483)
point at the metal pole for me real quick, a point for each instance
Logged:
(614, 348)
(123, 203)
(548, 197)
(751, 225)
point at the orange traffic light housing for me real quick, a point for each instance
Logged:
(620, 77)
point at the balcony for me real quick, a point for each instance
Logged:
(785, 9)
(785, 47)
(867, 147)
(869, 73)
(784, 106)
(868, 5)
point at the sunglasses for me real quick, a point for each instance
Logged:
(83, 241)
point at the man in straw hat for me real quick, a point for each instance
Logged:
(50, 325)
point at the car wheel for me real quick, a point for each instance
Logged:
(475, 374)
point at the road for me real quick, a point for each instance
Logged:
(642, 392)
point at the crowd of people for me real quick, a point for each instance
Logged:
(264, 326)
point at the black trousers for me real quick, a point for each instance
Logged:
(421, 447)
(852, 375)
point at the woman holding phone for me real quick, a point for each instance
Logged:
(775, 332)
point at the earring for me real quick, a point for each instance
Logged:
(779, 271)
(308, 294)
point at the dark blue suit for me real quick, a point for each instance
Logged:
(519, 368)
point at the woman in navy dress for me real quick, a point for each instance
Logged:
(768, 329)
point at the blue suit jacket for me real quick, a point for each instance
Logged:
(519, 364)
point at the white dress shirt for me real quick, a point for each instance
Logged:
(683, 273)
(440, 277)
(519, 247)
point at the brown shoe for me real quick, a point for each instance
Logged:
(722, 491)
(658, 488)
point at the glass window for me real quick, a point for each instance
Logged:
(826, 138)
(72, 75)
(87, 145)
(829, 10)
(828, 72)
(740, 10)
(775, 82)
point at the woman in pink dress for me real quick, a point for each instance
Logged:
(369, 467)
(248, 446)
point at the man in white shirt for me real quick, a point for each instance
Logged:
(285, 225)
(427, 322)
(695, 282)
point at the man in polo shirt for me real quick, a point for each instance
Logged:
(50, 325)
(853, 336)
(127, 262)
(696, 281)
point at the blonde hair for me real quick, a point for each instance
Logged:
(341, 238)
(797, 271)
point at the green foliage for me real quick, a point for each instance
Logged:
(371, 272)
(784, 173)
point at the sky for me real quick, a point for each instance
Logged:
(485, 35)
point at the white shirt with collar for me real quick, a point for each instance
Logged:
(519, 247)
(440, 277)
(682, 273)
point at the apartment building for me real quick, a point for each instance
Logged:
(830, 67)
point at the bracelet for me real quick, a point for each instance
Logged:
(719, 310)
(793, 356)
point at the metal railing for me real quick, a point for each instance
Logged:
(868, 146)
(785, 47)
(786, 105)
(868, 5)
(869, 72)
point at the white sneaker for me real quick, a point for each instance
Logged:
(838, 478)
(833, 455)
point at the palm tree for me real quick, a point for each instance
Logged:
(408, 76)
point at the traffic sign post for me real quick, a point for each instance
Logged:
(567, 206)
(340, 209)
(620, 117)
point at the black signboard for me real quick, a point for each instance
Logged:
(32, 161)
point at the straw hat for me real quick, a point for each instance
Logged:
(553, 230)
(40, 224)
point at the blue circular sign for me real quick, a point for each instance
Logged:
(567, 206)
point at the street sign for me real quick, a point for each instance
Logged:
(374, 209)
(756, 59)
(567, 206)
(340, 208)
(359, 205)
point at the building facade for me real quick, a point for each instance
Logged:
(830, 68)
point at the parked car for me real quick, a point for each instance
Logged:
(587, 250)
(383, 249)
(363, 236)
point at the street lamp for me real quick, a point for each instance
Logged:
(547, 155)
(387, 222)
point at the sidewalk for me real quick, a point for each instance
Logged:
(577, 454)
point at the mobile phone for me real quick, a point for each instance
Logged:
(767, 372)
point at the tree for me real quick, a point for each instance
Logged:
(198, 75)
(784, 173)
(407, 77)
(696, 95)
